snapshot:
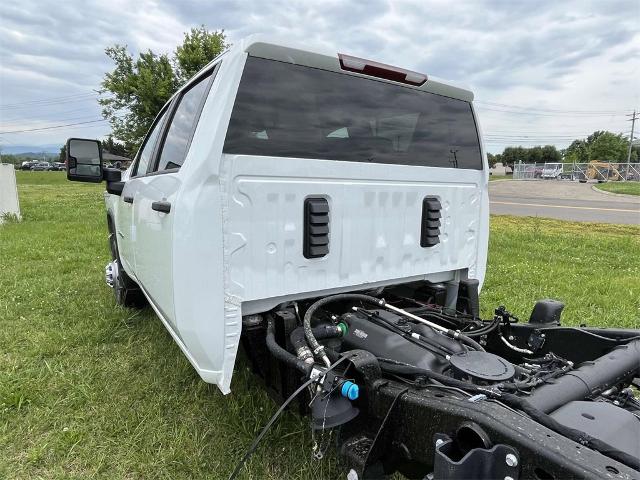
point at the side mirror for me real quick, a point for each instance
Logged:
(84, 160)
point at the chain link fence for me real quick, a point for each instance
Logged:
(597, 171)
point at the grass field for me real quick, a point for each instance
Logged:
(91, 390)
(628, 188)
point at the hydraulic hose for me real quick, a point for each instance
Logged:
(521, 404)
(470, 342)
(484, 330)
(300, 345)
(447, 331)
(281, 354)
(316, 348)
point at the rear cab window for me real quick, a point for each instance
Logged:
(170, 137)
(286, 110)
(183, 124)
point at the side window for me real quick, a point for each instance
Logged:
(183, 124)
(147, 149)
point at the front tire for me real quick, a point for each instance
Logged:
(126, 291)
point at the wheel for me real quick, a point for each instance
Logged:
(126, 291)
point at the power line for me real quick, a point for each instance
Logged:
(534, 135)
(57, 120)
(551, 110)
(540, 114)
(53, 127)
(48, 100)
(29, 116)
(91, 98)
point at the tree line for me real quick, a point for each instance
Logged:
(602, 146)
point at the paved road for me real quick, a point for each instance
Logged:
(563, 200)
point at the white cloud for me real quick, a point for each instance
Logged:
(563, 56)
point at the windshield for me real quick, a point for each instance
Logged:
(286, 110)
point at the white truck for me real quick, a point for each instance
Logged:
(552, 170)
(330, 214)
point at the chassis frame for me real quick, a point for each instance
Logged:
(412, 429)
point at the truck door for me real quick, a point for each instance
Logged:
(125, 227)
(155, 199)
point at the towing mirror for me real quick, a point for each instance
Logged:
(84, 160)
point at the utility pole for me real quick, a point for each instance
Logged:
(633, 119)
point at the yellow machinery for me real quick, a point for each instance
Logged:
(597, 170)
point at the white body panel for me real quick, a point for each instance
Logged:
(9, 204)
(124, 226)
(232, 244)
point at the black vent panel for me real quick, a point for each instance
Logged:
(431, 214)
(316, 227)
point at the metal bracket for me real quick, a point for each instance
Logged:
(500, 462)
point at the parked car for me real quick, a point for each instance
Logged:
(27, 165)
(59, 166)
(42, 166)
(534, 171)
(331, 215)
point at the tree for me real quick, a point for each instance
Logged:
(63, 154)
(136, 89)
(114, 147)
(534, 155)
(577, 152)
(550, 154)
(594, 136)
(608, 147)
(198, 48)
(512, 155)
(600, 145)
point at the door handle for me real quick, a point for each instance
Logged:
(127, 199)
(164, 207)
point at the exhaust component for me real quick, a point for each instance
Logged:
(590, 379)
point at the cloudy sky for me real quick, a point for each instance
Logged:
(543, 72)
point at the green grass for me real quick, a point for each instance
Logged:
(628, 188)
(91, 390)
(499, 177)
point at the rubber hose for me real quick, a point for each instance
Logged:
(483, 330)
(522, 404)
(320, 333)
(280, 353)
(316, 348)
(470, 342)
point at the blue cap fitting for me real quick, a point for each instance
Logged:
(350, 390)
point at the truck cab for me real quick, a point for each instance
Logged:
(209, 222)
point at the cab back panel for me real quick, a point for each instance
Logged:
(375, 216)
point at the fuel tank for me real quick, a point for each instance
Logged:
(370, 334)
